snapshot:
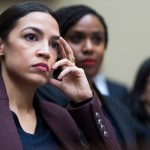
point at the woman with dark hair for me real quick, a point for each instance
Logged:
(139, 101)
(69, 18)
(86, 33)
(30, 43)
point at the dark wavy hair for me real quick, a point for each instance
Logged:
(70, 15)
(11, 15)
(134, 101)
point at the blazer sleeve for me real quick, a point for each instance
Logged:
(96, 128)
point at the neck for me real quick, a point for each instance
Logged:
(90, 82)
(19, 94)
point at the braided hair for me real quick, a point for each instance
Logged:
(70, 15)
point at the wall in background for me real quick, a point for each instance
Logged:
(129, 34)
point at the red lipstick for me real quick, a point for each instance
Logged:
(41, 67)
(88, 62)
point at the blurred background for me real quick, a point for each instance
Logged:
(128, 24)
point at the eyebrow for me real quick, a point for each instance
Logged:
(82, 32)
(54, 37)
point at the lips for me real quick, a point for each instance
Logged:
(41, 67)
(88, 62)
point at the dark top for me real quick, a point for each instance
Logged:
(54, 95)
(42, 139)
(117, 90)
(117, 131)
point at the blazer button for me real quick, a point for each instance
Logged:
(106, 134)
(97, 115)
(99, 121)
(103, 127)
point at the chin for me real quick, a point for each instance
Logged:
(90, 72)
(43, 81)
(89, 75)
(39, 81)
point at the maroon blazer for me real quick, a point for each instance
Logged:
(89, 119)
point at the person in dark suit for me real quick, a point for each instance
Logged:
(117, 90)
(86, 32)
(109, 87)
(29, 45)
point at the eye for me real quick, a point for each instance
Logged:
(55, 45)
(30, 37)
(76, 38)
(97, 39)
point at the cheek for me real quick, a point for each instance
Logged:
(54, 53)
(100, 51)
(53, 58)
(100, 54)
(76, 48)
(12, 58)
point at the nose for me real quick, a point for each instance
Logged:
(43, 51)
(88, 47)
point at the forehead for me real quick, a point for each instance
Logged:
(40, 20)
(88, 22)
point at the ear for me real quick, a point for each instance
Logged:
(1, 47)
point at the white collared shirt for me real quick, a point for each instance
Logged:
(100, 83)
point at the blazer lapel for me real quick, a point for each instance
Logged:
(65, 130)
(9, 138)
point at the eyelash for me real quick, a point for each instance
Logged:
(76, 38)
(55, 44)
(28, 36)
(97, 39)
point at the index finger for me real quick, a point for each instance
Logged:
(62, 52)
(67, 49)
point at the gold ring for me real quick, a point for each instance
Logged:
(72, 60)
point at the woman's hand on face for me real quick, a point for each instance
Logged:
(72, 80)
